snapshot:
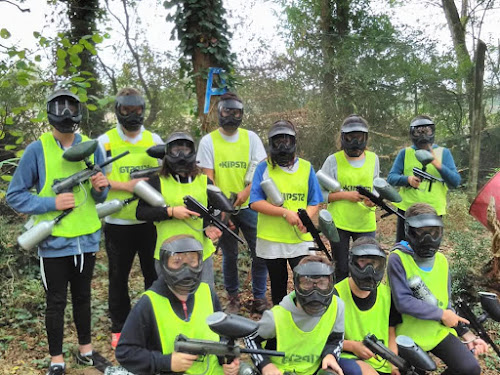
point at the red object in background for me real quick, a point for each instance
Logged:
(479, 208)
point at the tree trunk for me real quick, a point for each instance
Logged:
(201, 62)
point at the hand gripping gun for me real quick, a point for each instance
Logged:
(384, 191)
(425, 157)
(326, 226)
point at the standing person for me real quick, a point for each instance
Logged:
(421, 288)
(179, 177)
(353, 165)
(413, 190)
(281, 236)
(125, 235)
(225, 155)
(67, 256)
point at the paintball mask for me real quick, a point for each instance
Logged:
(367, 266)
(424, 233)
(180, 153)
(230, 114)
(354, 136)
(422, 133)
(64, 111)
(282, 143)
(181, 264)
(314, 287)
(129, 110)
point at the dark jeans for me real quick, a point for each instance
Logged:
(59, 272)
(349, 366)
(122, 243)
(341, 251)
(246, 220)
(457, 357)
(278, 274)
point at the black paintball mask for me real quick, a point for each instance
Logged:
(64, 111)
(282, 143)
(367, 266)
(313, 283)
(424, 233)
(230, 113)
(354, 137)
(129, 110)
(181, 264)
(180, 153)
(422, 133)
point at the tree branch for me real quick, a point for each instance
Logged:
(16, 5)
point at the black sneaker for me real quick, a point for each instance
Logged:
(94, 359)
(56, 370)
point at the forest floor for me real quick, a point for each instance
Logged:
(23, 342)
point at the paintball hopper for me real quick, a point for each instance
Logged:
(423, 156)
(327, 226)
(232, 326)
(218, 200)
(386, 191)
(490, 304)
(157, 151)
(80, 151)
(272, 192)
(327, 182)
(414, 354)
(149, 194)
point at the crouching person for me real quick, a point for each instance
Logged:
(177, 303)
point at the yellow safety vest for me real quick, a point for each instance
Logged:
(83, 219)
(347, 215)
(121, 168)
(295, 188)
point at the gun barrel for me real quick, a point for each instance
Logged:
(372, 343)
(306, 220)
(114, 158)
(378, 201)
(143, 173)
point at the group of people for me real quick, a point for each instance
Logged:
(321, 323)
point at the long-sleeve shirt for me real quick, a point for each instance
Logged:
(31, 173)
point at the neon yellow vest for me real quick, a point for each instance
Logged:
(359, 323)
(436, 197)
(302, 349)
(347, 215)
(294, 187)
(169, 326)
(121, 168)
(83, 219)
(231, 162)
(174, 192)
(426, 333)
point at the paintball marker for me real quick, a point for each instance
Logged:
(411, 359)
(491, 309)
(327, 227)
(230, 328)
(425, 157)
(157, 152)
(385, 191)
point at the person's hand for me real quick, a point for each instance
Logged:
(450, 319)
(353, 196)
(181, 213)
(232, 368)
(292, 218)
(65, 201)
(394, 370)
(271, 369)
(361, 351)
(436, 163)
(213, 232)
(414, 181)
(180, 362)
(478, 346)
(368, 203)
(330, 363)
(130, 185)
(99, 182)
(241, 197)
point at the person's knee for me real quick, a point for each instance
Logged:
(471, 367)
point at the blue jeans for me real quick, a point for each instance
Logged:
(349, 366)
(246, 220)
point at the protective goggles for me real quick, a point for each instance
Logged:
(177, 148)
(63, 106)
(434, 232)
(422, 130)
(360, 137)
(177, 261)
(377, 262)
(235, 112)
(284, 140)
(308, 284)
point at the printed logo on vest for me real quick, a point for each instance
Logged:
(353, 187)
(233, 164)
(294, 196)
(129, 168)
(295, 358)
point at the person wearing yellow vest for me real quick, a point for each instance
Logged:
(421, 289)
(412, 190)
(177, 303)
(225, 155)
(125, 236)
(308, 324)
(368, 308)
(281, 236)
(352, 213)
(68, 255)
(179, 177)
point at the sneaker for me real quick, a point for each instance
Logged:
(115, 337)
(94, 359)
(56, 370)
(233, 306)
(259, 305)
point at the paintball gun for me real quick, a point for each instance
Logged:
(412, 360)
(425, 157)
(491, 309)
(157, 152)
(385, 191)
(327, 227)
(230, 328)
